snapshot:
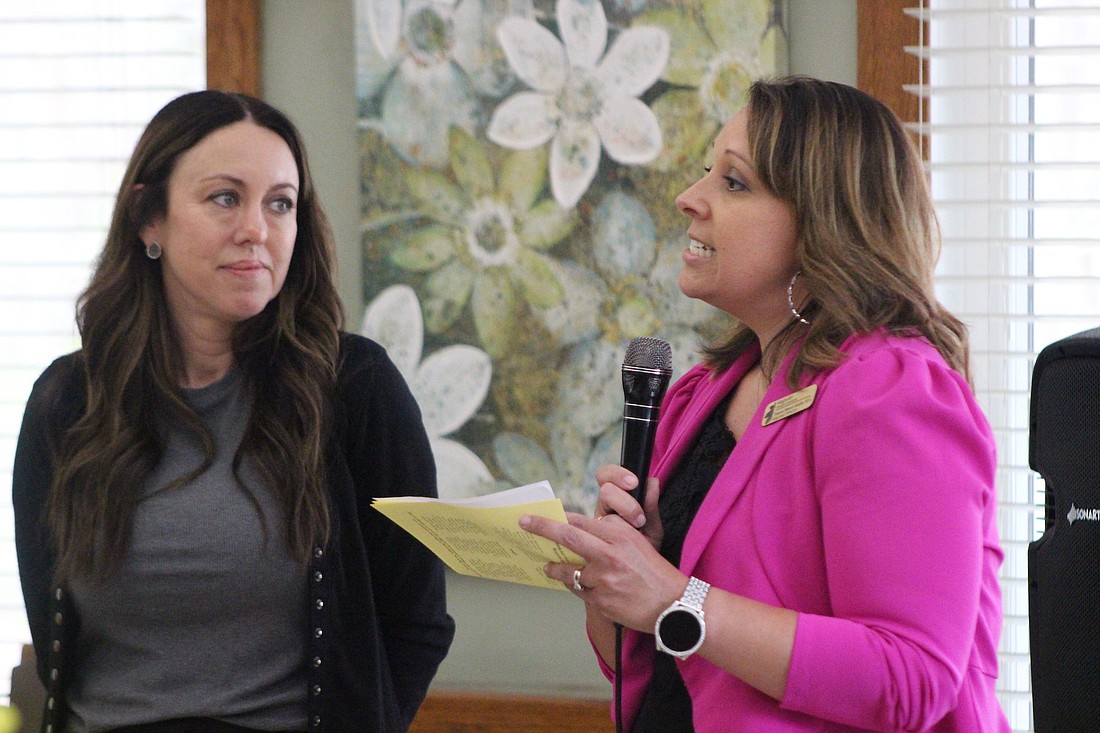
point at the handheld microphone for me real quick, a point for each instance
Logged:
(647, 369)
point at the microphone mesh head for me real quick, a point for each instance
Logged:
(646, 352)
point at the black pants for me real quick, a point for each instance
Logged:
(187, 725)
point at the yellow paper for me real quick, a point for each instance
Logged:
(481, 536)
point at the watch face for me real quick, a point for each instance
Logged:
(680, 630)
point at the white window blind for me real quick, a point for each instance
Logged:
(78, 81)
(1013, 135)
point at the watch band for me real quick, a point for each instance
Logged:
(695, 593)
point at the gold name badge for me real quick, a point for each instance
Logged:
(792, 404)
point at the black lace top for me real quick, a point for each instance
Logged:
(666, 707)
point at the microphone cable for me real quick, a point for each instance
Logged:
(618, 678)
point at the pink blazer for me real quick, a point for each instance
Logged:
(873, 514)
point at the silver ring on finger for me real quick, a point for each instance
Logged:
(577, 584)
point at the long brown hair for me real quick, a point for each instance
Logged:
(132, 360)
(868, 236)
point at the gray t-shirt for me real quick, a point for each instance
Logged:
(205, 618)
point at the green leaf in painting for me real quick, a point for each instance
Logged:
(440, 198)
(494, 307)
(547, 224)
(470, 164)
(541, 287)
(523, 177)
(448, 291)
(424, 249)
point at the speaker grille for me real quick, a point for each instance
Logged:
(1064, 564)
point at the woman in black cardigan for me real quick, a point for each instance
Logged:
(192, 488)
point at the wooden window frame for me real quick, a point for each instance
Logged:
(883, 67)
(233, 33)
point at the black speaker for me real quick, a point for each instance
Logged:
(1064, 563)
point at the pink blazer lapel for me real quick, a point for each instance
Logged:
(702, 405)
(739, 468)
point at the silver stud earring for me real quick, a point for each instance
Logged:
(790, 299)
(153, 250)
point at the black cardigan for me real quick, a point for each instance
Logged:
(378, 624)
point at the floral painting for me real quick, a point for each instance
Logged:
(519, 164)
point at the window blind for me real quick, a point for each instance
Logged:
(78, 81)
(1013, 135)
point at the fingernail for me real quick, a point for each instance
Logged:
(525, 521)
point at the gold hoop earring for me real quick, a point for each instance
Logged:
(790, 299)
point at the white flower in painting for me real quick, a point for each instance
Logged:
(578, 100)
(426, 61)
(428, 33)
(449, 385)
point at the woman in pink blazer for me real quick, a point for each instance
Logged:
(818, 548)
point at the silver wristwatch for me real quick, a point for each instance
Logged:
(680, 629)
